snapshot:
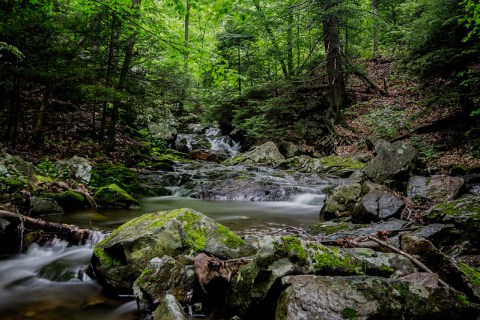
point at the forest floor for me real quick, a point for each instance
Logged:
(408, 113)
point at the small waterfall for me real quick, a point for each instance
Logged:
(221, 143)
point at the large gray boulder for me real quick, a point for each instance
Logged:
(169, 309)
(336, 298)
(378, 205)
(434, 189)
(266, 154)
(120, 259)
(44, 206)
(392, 162)
(14, 165)
(282, 256)
(341, 201)
(161, 277)
(76, 168)
(246, 190)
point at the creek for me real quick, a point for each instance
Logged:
(50, 282)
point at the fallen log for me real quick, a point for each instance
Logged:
(72, 234)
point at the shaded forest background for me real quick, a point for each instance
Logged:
(118, 78)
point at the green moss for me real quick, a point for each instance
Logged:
(13, 184)
(349, 313)
(335, 161)
(292, 247)
(329, 228)
(128, 180)
(171, 155)
(328, 260)
(105, 259)
(472, 274)
(113, 195)
(229, 238)
(43, 179)
(463, 299)
(67, 199)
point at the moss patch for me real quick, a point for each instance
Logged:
(113, 195)
(330, 259)
(292, 247)
(335, 161)
(329, 228)
(349, 313)
(105, 259)
(229, 238)
(472, 274)
(68, 199)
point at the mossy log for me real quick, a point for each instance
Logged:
(72, 234)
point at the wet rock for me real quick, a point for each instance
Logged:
(44, 206)
(14, 165)
(341, 201)
(463, 212)
(376, 206)
(266, 154)
(434, 189)
(281, 256)
(114, 196)
(336, 298)
(210, 156)
(426, 279)
(169, 309)
(392, 162)
(437, 262)
(246, 190)
(337, 165)
(161, 277)
(120, 259)
(76, 168)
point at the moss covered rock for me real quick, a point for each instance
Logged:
(122, 257)
(68, 199)
(341, 201)
(358, 297)
(288, 255)
(114, 196)
(266, 154)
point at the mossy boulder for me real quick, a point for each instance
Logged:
(68, 199)
(120, 259)
(282, 256)
(16, 166)
(341, 201)
(333, 164)
(40, 206)
(114, 196)
(359, 297)
(266, 154)
(464, 213)
(434, 189)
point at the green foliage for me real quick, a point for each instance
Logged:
(126, 179)
(471, 19)
(387, 122)
(47, 168)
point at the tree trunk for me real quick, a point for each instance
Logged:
(14, 114)
(336, 82)
(187, 25)
(121, 82)
(290, 64)
(37, 136)
(375, 29)
(271, 35)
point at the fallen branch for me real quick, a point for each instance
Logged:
(64, 186)
(70, 233)
(410, 257)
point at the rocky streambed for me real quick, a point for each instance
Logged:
(389, 242)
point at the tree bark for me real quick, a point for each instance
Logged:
(37, 136)
(290, 63)
(375, 29)
(336, 82)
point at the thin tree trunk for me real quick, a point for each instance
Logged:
(336, 82)
(271, 35)
(375, 29)
(239, 64)
(37, 136)
(187, 25)
(290, 64)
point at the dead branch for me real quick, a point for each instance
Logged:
(410, 257)
(70, 233)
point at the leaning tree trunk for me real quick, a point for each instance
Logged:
(336, 82)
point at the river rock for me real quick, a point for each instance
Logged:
(161, 277)
(434, 189)
(266, 154)
(281, 256)
(337, 165)
(464, 213)
(169, 309)
(120, 259)
(437, 262)
(376, 206)
(392, 162)
(335, 298)
(77, 168)
(114, 196)
(44, 206)
(341, 201)
(14, 165)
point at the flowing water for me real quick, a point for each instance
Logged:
(50, 282)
